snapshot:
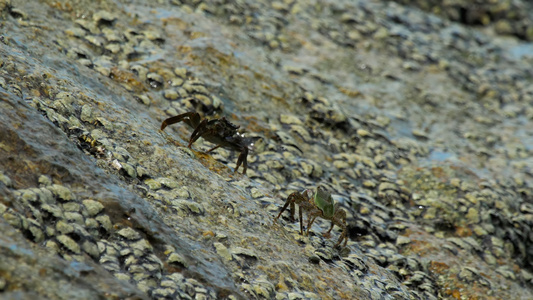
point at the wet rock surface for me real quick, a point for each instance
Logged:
(418, 124)
(504, 16)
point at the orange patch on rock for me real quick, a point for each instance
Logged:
(438, 267)
(456, 294)
(208, 233)
(463, 231)
(128, 79)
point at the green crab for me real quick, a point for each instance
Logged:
(320, 204)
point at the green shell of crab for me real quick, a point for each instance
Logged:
(324, 201)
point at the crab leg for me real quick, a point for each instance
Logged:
(300, 211)
(310, 223)
(312, 217)
(197, 133)
(340, 217)
(332, 224)
(213, 148)
(342, 237)
(290, 200)
(189, 117)
(242, 159)
(339, 214)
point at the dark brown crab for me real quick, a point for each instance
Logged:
(221, 132)
(320, 204)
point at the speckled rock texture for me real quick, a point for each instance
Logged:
(416, 116)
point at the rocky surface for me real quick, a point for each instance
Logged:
(506, 17)
(418, 124)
